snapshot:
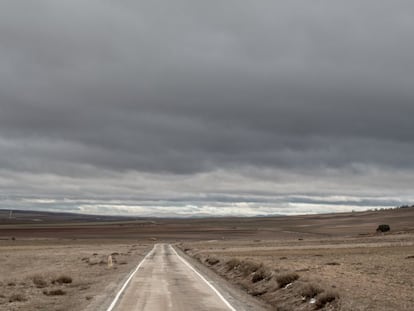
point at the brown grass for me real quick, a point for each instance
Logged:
(17, 297)
(63, 279)
(248, 267)
(325, 298)
(212, 261)
(233, 263)
(286, 278)
(310, 290)
(39, 281)
(260, 275)
(54, 292)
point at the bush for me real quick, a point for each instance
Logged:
(325, 298)
(287, 278)
(63, 279)
(233, 263)
(248, 267)
(260, 275)
(17, 297)
(383, 228)
(55, 292)
(310, 290)
(39, 281)
(212, 261)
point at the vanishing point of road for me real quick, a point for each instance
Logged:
(166, 281)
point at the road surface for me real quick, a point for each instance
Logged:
(165, 281)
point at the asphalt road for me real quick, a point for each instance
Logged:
(165, 281)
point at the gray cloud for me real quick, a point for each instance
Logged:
(146, 94)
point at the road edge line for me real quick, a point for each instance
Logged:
(205, 280)
(112, 305)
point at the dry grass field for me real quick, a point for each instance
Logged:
(370, 273)
(62, 275)
(330, 262)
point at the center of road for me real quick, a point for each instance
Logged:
(164, 280)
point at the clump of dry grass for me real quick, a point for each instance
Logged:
(286, 278)
(39, 281)
(17, 297)
(63, 279)
(325, 298)
(310, 290)
(260, 275)
(212, 261)
(54, 292)
(232, 263)
(248, 267)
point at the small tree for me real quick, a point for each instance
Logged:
(383, 228)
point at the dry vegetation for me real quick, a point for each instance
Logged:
(350, 273)
(62, 275)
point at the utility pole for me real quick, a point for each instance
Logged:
(10, 214)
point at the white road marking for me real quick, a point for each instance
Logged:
(111, 307)
(204, 279)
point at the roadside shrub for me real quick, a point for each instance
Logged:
(212, 261)
(286, 278)
(310, 290)
(63, 279)
(383, 228)
(260, 275)
(233, 263)
(325, 298)
(54, 292)
(17, 297)
(39, 281)
(248, 267)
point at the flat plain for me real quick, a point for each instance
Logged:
(60, 262)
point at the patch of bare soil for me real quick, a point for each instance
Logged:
(363, 273)
(63, 275)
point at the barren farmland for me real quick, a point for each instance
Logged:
(330, 262)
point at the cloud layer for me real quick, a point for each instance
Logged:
(234, 107)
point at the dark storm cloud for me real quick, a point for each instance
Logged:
(297, 88)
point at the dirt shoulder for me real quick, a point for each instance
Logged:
(238, 298)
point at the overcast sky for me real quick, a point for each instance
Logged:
(184, 108)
